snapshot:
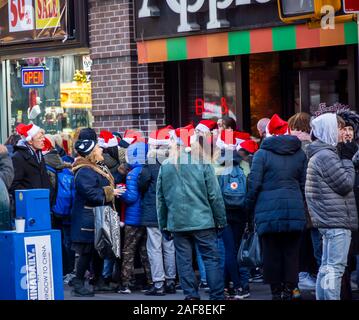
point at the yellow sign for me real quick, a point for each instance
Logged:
(76, 95)
(48, 14)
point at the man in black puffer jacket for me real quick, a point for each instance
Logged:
(331, 202)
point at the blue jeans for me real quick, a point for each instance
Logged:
(336, 243)
(206, 241)
(200, 263)
(317, 246)
(108, 268)
(201, 268)
(239, 276)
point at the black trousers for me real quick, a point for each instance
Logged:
(88, 256)
(281, 257)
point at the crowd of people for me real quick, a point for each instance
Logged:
(187, 196)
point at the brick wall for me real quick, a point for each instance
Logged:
(124, 94)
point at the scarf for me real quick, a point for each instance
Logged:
(100, 168)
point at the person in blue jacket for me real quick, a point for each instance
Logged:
(276, 194)
(135, 233)
(94, 186)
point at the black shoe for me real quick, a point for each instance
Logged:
(203, 285)
(146, 288)
(170, 288)
(155, 291)
(124, 290)
(241, 293)
(276, 290)
(79, 289)
(287, 293)
(100, 286)
(189, 298)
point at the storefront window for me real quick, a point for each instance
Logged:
(265, 90)
(209, 88)
(219, 89)
(58, 100)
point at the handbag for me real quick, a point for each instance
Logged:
(107, 232)
(250, 253)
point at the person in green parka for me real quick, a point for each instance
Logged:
(190, 207)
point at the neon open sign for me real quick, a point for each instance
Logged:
(33, 77)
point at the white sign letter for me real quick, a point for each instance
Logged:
(148, 11)
(328, 20)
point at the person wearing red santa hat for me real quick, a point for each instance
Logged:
(206, 126)
(28, 160)
(133, 136)
(190, 208)
(111, 153)
(276, 197)
(160, 248)
(277, 126)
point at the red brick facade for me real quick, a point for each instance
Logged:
(124, 94)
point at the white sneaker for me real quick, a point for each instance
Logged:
(306, 282)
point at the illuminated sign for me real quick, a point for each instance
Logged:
(33, 77)
(210, 108)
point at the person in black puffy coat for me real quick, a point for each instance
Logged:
(94, 186)
(275, 193)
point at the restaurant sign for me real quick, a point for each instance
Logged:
(169, 18)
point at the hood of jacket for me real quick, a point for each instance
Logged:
(284, 145)
(325, 128)
(317, 146)
(54, 160)
(137, 154)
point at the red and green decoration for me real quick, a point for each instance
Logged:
(245, 42)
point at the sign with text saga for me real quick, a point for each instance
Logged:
(21, 15)
(33, 77)
(47, 13)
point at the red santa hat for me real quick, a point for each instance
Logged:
(27, 131)
(277, 126)
(231, 139)
(106, 139)
(206, 126)
(185, 136)
(249, 145)
(132, 136)
(48, 146)
(160, 137)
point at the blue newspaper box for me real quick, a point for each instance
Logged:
(34, 207)
(31, 266)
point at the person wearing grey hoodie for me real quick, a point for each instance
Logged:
(331, 202)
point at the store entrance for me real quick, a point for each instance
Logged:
(322, 86)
